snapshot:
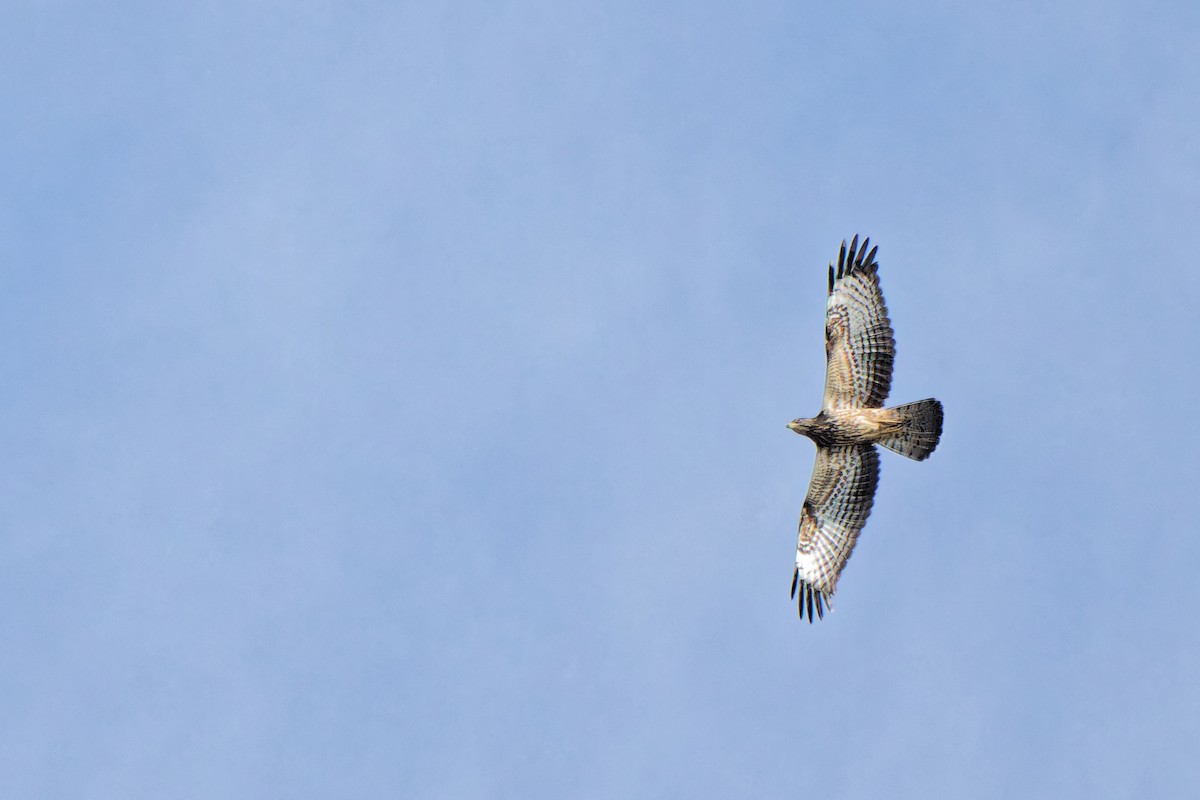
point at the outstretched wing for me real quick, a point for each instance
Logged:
(859, 347)
(839, 500)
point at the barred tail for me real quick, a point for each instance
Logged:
(922, 428)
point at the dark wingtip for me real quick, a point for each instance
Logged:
(853, 252)
(841, 270)
(831, 279)
(809, 597)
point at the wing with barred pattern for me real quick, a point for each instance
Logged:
(839, 500)
(859, 345)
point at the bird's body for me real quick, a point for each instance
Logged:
(859, 350)
(841, 427)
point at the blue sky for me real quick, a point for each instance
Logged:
(396, 399)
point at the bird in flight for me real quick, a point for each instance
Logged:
(859, 349)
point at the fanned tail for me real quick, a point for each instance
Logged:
(922, 429)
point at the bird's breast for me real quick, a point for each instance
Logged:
(851, 426)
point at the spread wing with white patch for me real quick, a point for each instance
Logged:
(839, 500)
(859, 346)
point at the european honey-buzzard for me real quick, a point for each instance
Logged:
(859, 350)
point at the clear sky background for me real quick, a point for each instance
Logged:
(395, 395)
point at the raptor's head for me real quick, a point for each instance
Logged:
(800, 426)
